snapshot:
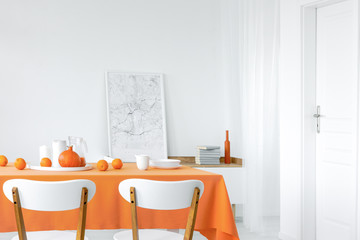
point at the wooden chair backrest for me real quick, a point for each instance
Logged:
(49, 196)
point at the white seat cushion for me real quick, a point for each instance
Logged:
(149, 234)
(50, 235)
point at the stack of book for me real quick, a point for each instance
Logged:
(208, 155)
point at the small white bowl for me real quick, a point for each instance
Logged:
(165, 163)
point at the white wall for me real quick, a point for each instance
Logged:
(53, 55)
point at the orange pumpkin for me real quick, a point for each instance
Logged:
(69, 158)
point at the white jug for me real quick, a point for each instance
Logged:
(58, 146)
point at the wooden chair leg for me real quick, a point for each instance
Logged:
(233, 207)
(80, 234)
(18, 214)
(192, 215)
(134, 224)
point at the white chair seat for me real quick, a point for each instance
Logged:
(149, 234)
(50, 235)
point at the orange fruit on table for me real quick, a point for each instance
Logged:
(3, 161)
(102, 165)
(117, 163)
(45, 162)
(20, 163)
(82, 162)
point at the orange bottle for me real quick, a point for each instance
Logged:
(227, 148)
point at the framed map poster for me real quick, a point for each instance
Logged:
(136, 115)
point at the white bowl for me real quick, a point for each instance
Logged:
(165, 163)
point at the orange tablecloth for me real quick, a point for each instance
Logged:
(108, 210)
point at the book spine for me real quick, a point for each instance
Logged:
(208, 148)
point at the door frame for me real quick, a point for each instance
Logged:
(308, 108)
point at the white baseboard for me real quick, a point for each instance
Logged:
(284, 236)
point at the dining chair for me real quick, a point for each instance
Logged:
(160, 195)
(49, 196)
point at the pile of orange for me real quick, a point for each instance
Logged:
(19, 163)
(103, 165)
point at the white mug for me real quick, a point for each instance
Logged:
(142, 161)
(44, 152)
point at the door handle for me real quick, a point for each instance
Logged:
(317, 115)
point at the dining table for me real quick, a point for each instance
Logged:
(108, 210)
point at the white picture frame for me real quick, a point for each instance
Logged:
(136, 115)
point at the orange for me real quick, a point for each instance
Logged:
(82, 162)
(3, 161)
(20, 163)
(102, 165)
(45, 162)
(117, 163)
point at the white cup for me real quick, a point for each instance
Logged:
(45, 152)
(142, 161)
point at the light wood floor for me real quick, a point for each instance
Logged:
(270, 232)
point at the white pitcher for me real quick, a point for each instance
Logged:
(58, 146)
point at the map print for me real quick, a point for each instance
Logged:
(136, 116)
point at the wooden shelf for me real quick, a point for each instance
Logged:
(221, 165)
(190, 162)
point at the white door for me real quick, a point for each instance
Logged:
(336, 143)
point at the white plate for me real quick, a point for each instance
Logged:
(165, 163)
(160, 167)
(62, 169)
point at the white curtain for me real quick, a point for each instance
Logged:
(259, 54)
